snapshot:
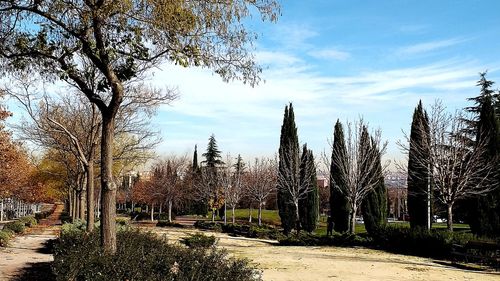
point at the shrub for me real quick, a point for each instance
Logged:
(337, 239)
(16, 226)
(164, 223)
(143, 256)
(420, 242)
(199, 241)
(208, 225)
(66, 218)
(122, 221)
(28, 221)
(5, 236)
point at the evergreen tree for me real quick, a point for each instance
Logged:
(374, 205)
(195, 159)
(309, 205)
(213, 154)
(339, 205)
(418, 170)
(288, 170)
(197, 207)
(485, 211)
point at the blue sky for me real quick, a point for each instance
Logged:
(338, 59)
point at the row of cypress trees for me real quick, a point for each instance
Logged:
(297, 195)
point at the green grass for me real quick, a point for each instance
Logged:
(268, 216)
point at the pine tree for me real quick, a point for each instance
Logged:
(213, 154)
(309, 205)
(339, 206)
(288, 169)
(374, 205)
(418, 171)
(485, 211)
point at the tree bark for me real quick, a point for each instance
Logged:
(250, 214)
(152, 211)
(233, 216)
(1, 209)
(82, 199)
(169, 210)
(108, 186)
(90, 194)
(352, 227)
(449, 222)
(260, 213)
(225, 213)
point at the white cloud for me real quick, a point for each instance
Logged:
(429, 46)
(330, 54)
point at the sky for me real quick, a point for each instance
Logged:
(336, 60)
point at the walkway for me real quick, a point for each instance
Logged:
(27, 258)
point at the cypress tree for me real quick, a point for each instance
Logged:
(374, 205)
(195, 159)
(418, 170)
(339, 205)
(288, 170)
(309, 205)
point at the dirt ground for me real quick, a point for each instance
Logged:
(280, 263)
(26, 258)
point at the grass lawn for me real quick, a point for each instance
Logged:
(268, 216)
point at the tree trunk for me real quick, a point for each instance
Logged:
(213, 215)
(108, 186)
(75, 205)
(1, 210)
(232, 214)
(152, 211)
(352, 227)
(90, 193)
(82, 199)
(169, 210)
(225, 212)
(449, 223)
(260, 213)
(159, 210)
(250, 214)
(70, 203)
(297, 216)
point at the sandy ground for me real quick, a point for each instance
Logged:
(26, 251)
(280, 263)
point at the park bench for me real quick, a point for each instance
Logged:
(481, 252)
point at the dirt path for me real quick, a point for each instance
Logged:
(281, 263)
(26, 257)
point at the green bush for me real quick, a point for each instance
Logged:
(208, 225)
(421, 242)
(16, 226)
(251, 231)
(142, 256)
(28, 221)
(164, 223)
(199, 241)
(5, 237)
(337, 239)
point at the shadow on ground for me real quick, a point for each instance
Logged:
(36, 271)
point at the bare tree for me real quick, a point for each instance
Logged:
(458, 171)
(260, 181)
(167, 176)
(363, 153)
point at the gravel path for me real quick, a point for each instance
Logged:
(26, 258)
